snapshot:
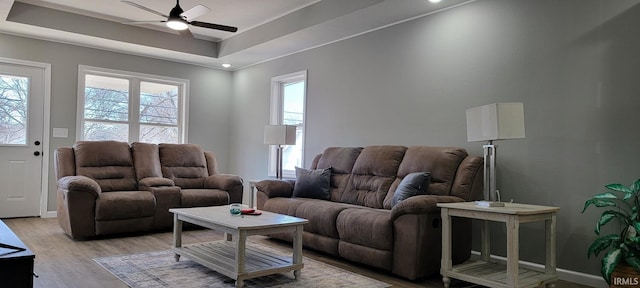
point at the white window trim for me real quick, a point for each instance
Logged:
(276, 117)
(135, 79)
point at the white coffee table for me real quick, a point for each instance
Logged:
(231, 256)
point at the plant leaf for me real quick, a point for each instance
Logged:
(602, 244)
(619, 188)
(598, 203)
(636, 186)
(636, 225)
(606, 217)
(606, 195)
(609, 263)
(633, 262)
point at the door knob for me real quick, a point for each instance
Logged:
(37, 143)
(37, 153)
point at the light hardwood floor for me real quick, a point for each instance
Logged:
(63, 262)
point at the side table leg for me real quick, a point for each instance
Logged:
(239, 283)
(446, 281)
(513, 257)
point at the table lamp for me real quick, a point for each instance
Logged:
(279, 135)
(497, 121)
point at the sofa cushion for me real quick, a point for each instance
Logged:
(284, 205)
(312, 183)
(416, 183)
(185, 164)
(367, 227)
(203, 197)
(322, 216)
(441, 162)
(373, 173)
(125, 205)
(341, 161)
(113, 171)
(146, 160)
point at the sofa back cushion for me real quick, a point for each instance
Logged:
(341, 161)
(441, 162)
(185, 164)
(372, 175)
(109, 163)
(146, 160)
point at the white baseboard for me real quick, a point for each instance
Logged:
(50, 214)
(563, 274)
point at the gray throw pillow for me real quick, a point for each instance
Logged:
(312, 183)
(416, 183)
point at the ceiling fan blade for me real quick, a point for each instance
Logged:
(185, 33)
(195, 12)
(144, 8)
(214, 26)
(143, 22)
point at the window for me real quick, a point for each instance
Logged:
(288, 97)
(14, 98)
(124, 106)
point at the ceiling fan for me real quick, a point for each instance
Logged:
(180, 20)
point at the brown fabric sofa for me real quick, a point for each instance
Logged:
(108, 187)
(360, 223)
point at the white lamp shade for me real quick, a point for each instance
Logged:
(280, 135)
(495, 121)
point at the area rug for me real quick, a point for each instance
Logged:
(159, 269)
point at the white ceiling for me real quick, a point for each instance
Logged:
(267, 29)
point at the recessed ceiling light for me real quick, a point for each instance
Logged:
(435, 1)
(226, 65)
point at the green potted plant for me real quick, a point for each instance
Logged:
(624, 245)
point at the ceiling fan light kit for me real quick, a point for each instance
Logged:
(177, 24)
(176, 20)
(180, 20)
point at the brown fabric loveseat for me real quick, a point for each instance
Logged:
(108, 187)
(360, 223)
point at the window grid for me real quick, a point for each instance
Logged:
(133, 107)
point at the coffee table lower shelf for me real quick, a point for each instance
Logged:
(220, 256)
(495, 275)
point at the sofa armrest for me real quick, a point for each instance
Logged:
(276, 188)
(76, 202)
(227, 182)
(80, 183)
(421, 204)
(222, 181)
(149, 182)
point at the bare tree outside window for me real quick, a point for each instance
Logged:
(14, 103)
(158, 113)
(108, 114)
(106, 108)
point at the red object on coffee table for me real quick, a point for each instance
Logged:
(250, 212)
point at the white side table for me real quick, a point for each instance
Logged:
(252, 196)
(492, 274)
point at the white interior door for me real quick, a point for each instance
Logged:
(22, 91)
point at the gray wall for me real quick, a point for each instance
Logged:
(573, 63)
(210, 91)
